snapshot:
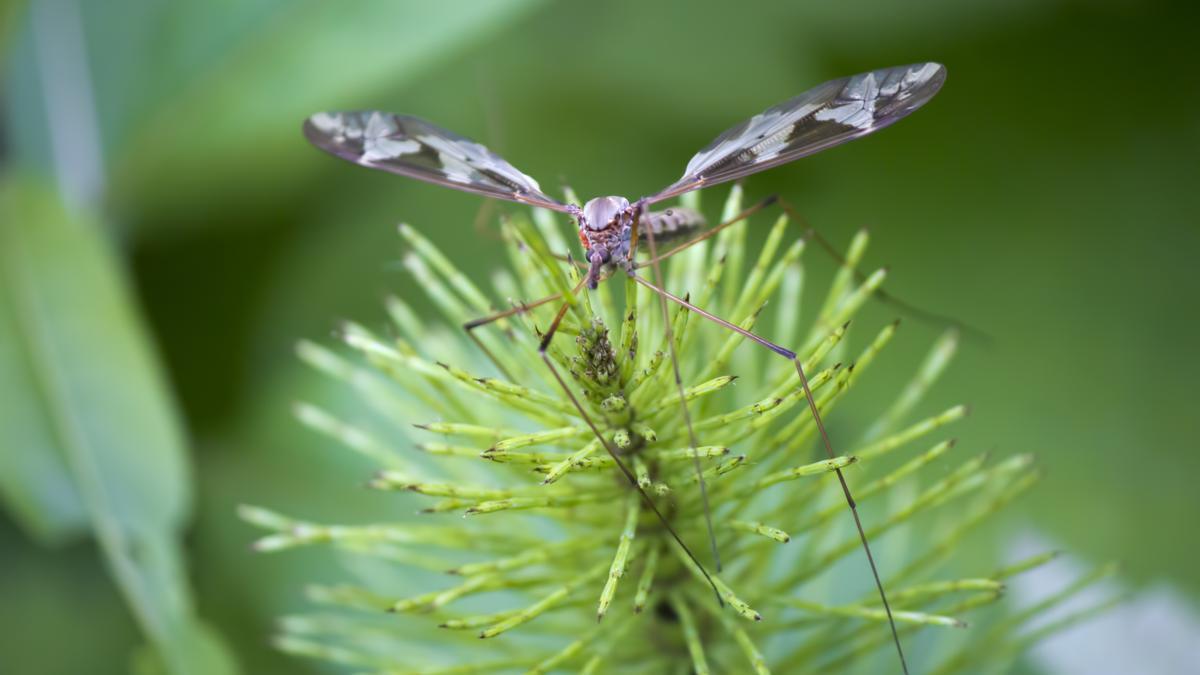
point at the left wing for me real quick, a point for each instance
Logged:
(828, 115)
(413, 147)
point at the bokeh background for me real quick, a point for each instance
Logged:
(168, 236)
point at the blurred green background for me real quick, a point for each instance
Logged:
(168, 235)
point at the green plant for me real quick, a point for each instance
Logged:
(557, 563)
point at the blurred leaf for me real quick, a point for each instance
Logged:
(230, 104)
(82, 387)
(34, 481)
(87, 423)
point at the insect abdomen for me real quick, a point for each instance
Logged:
(674, 222)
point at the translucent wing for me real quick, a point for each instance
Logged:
(828, 115)
(413, 147)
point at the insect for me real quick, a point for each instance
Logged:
(609, 227)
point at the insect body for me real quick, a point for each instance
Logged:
(610, 227)
(606, 227)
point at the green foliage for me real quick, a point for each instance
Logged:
(552, 538)
(1065, 230)
(91, 442)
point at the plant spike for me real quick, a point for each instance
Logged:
(537, 563)
(683, 406)
(542, 352)
(691, 636)
(620, 559)
(826, 443)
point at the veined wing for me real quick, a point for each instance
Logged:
(413, 147)
(828, 115)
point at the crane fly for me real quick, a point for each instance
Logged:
(609, 227)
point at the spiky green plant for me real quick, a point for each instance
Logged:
(531, 539)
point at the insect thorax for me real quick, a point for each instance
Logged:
(606, 230)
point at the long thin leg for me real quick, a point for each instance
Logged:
(526, 306)
(687, 417)
(812, 406)
(746, 213)
(812, 233)
(470, 327)
(542, 351)
(519, 309)
(491, 357)
(912, 310)
(522, 308)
